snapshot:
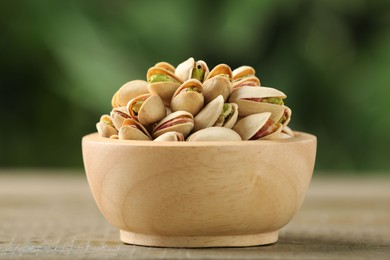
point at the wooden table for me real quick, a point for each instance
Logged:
(51, 214)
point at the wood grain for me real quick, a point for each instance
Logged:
(46, 214)
(200, 194)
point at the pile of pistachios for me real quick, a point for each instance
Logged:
(191, 103)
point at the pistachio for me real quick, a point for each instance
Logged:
(179, 121)
(188, 97)
(147, 109)
(133, 130)
(105, 126)
(218, 82)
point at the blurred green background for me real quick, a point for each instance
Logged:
(61, 62)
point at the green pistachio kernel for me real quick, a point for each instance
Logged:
(160, 78)
(231, 111)
(137, 105)
(225, 75)
(196, 89)
(107, 122)
(198, 73)
(273, 100)
(227, 109)
(226, 113)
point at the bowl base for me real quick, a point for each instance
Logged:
(198, 241)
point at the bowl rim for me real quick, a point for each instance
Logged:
(300, 137)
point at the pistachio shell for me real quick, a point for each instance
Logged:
(179, 121)
(133, 130)
(251, 81)
(209, 114)
(221, 69)
(165, 65)
(248, 126)
(170, 137)
(243, 71)
(248, 107)
(118, 115)
(215, 133)
(216, 86)
(218, 82)
(114, 137)
(190, 101)
(255, 92)
(131, 90)
(184, 70)
(151, 111)
(105, 126)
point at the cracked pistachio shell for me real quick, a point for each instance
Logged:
(250, 125)
(233, 119)
(165, 89)
(131, 90)
(170, 137)
(105, 126)
(179, 121)
(151, 111)
(209, 114)
(165, 65)
(242, 72)
(251, 81)
(248, 107)
(215, 133)
(188, 69)
(218, 82)
(118, 115)
(190, 101)
(133, 130)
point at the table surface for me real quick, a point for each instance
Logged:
(51, 214)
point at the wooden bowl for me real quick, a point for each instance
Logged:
(199, 194)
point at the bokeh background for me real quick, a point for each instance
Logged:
(61, 61)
